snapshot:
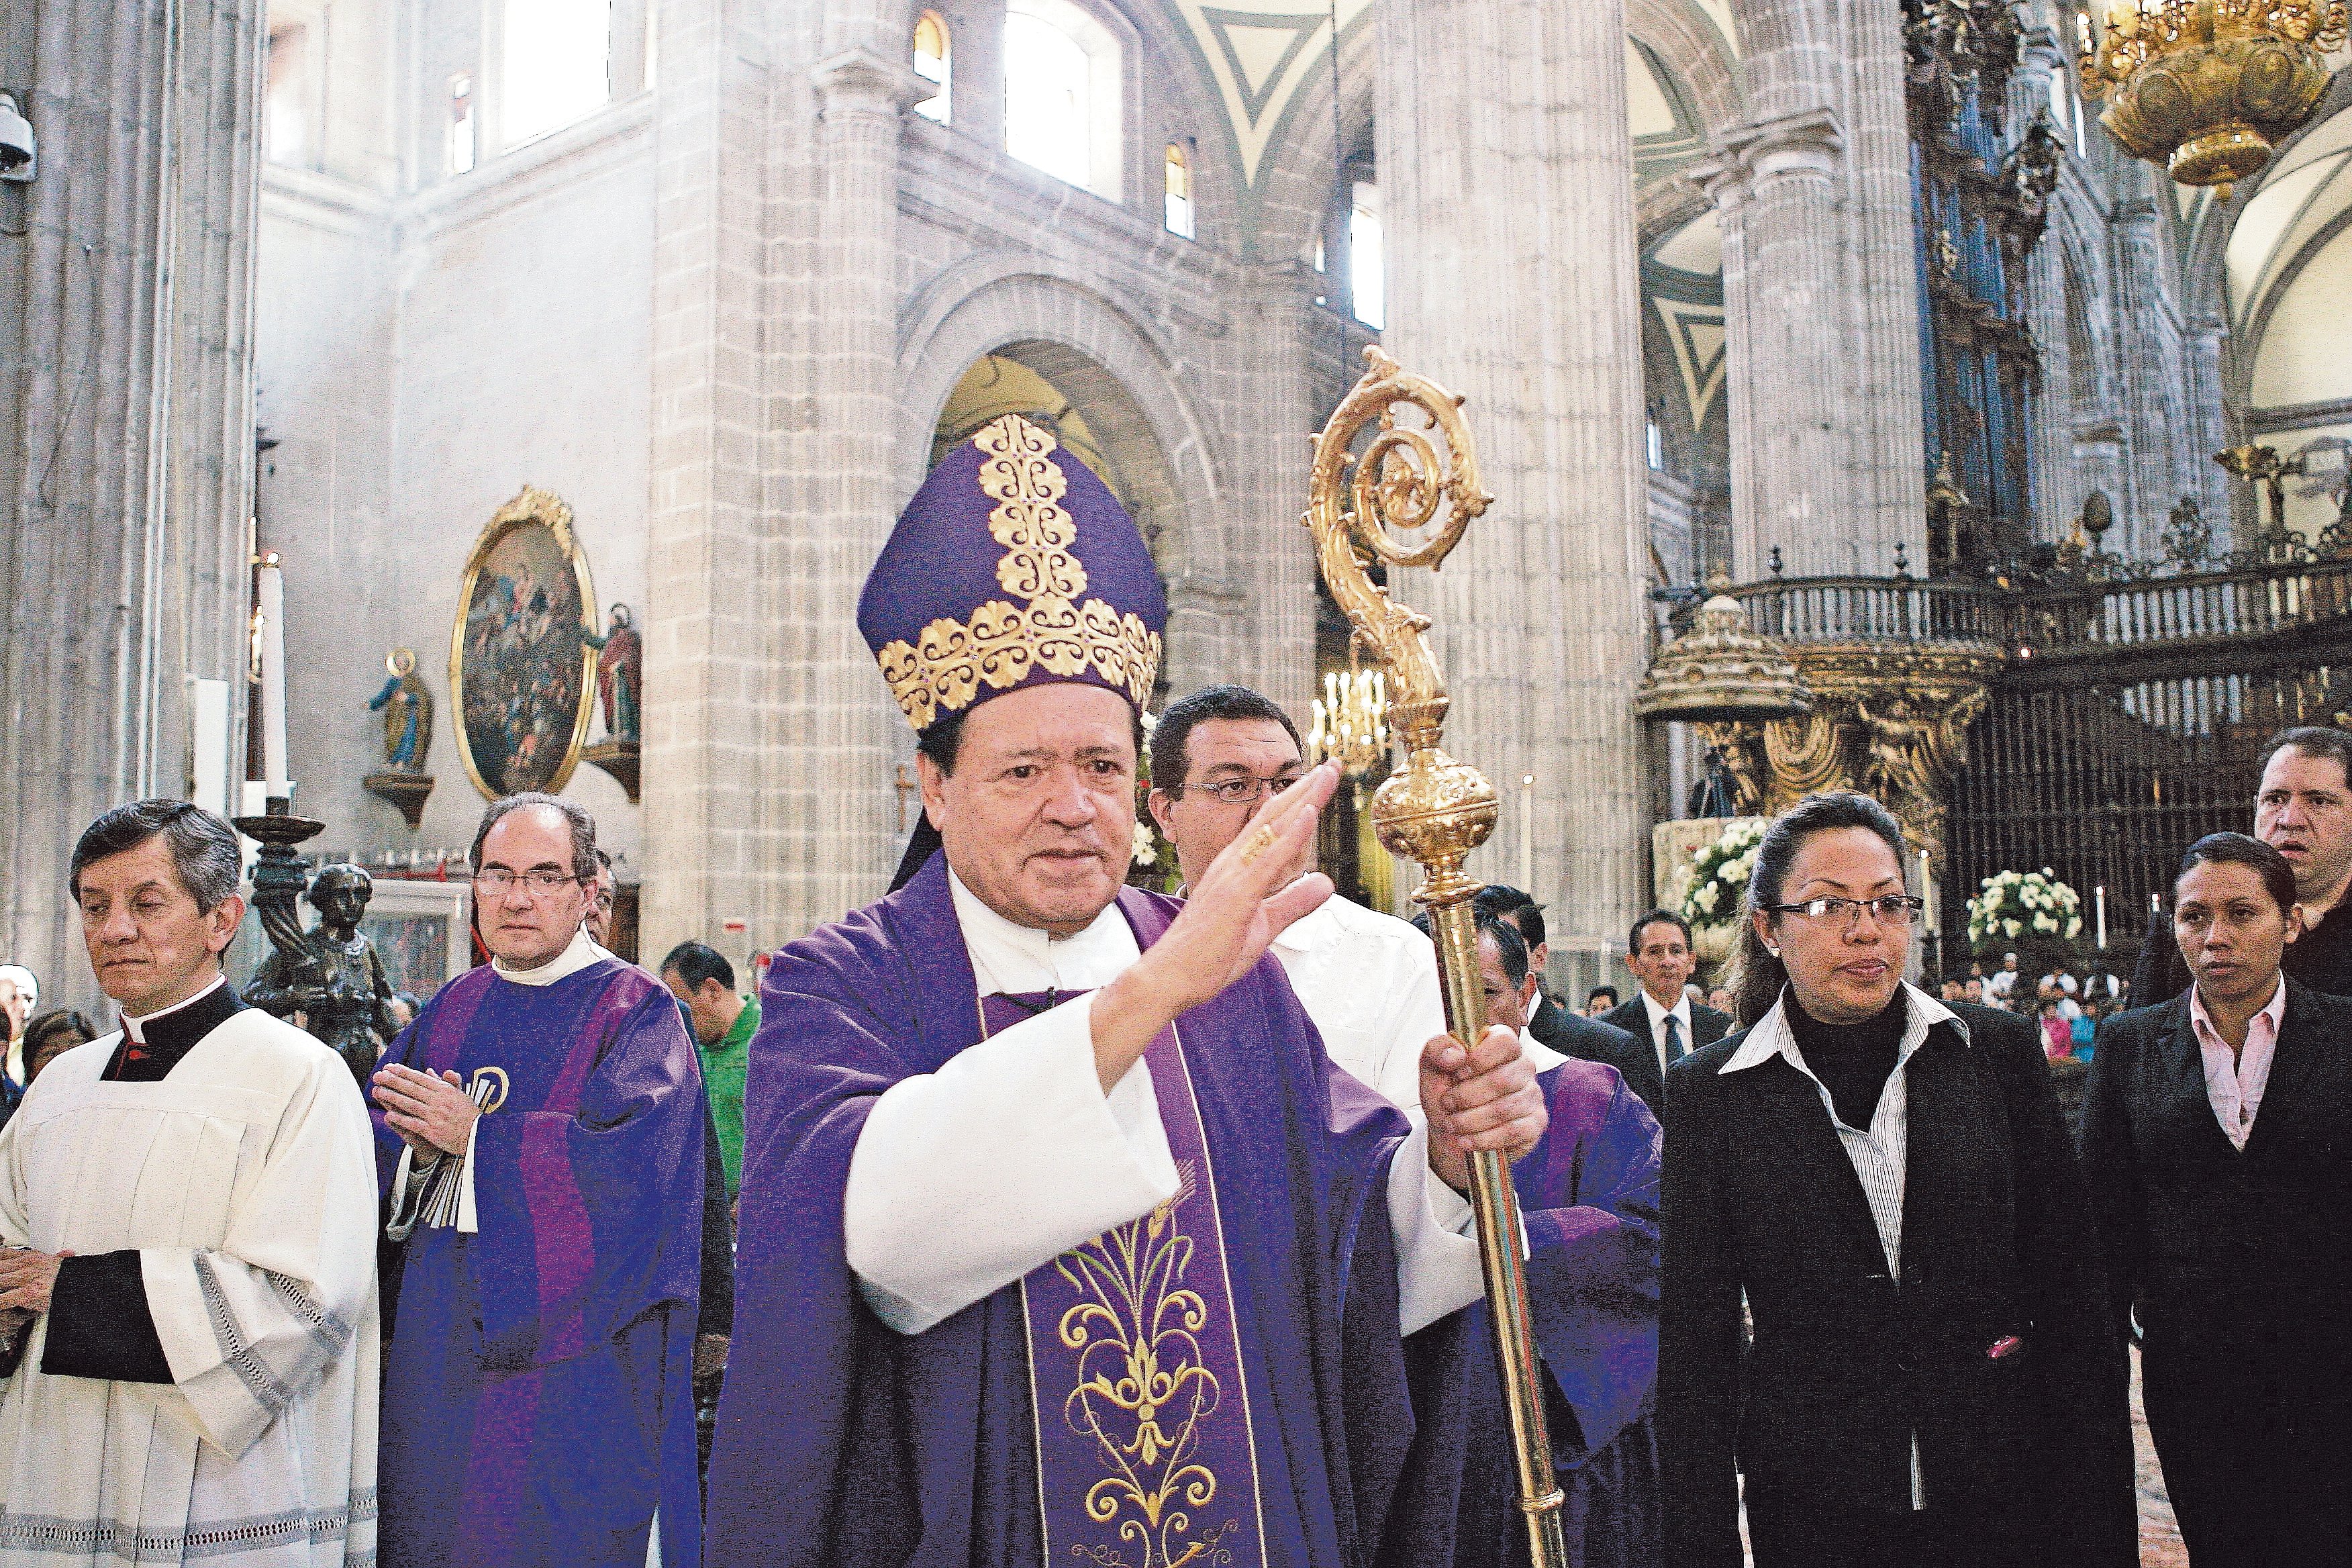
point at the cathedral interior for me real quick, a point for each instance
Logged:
(481, 315)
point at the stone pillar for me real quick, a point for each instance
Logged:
(710, 613)
(771, 741)
(126, 425)
(1271, 456)
(2208, 342)
(1886, 448)
(1774, 185)
(1505, 175)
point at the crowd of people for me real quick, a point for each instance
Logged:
(1024, 1216)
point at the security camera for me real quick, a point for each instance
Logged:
(17, 150)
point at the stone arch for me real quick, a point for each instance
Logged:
(1123, 378)
(1681, 35)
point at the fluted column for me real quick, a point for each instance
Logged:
(1886, 451)
(126, 425)
(1774, 185)
(1277, 573)
(1505, 175)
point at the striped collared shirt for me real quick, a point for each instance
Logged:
(1878, 1152)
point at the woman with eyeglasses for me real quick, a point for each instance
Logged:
(2217, 1135)
(1883, 1308)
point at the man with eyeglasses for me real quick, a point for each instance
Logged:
(540, 1134)
(1367, 980)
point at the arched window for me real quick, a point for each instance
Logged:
(1179, 191)
(1367, 277)
(932, 63)
(558, 65)
(1062, 80)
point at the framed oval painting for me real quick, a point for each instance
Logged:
(522, 657)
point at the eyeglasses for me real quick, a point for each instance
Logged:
(1894, 910)
(494, 880)
(1238, 792)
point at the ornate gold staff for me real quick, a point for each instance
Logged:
(1437, 810)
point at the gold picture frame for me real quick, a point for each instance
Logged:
(523, 652)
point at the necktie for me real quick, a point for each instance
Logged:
(1674, 1039)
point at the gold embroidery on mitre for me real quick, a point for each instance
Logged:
(1053, 629)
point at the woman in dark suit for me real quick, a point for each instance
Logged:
(1884, 1182)
(2217, 1135)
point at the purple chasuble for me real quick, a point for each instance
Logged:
(843, 1444)
(1132, 1341)
(538, 1405)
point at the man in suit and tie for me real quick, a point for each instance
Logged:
(1662, 1014)
(1550, 1024)
(2217, 1138)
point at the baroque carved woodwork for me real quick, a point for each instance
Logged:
(1890, 720)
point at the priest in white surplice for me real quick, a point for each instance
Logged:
(187, 1257)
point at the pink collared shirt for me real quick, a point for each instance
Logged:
(2234, 1087)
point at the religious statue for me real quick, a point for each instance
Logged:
(329, 974)
(620, 673)
(407, 710)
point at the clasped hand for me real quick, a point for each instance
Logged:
(1478, 1099)
(434, 1116)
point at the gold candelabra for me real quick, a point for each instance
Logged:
(2206, 87)
(1419, 472)
(1351, 722)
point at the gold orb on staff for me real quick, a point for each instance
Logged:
(1405, 500)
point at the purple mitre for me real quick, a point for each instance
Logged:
(1014, 566)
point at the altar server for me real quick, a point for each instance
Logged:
(541, 1141)
(187, 1287)
(1062, 1239)
(1367, 980)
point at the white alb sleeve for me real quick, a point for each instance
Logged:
(1437, 1253)
(966, 1179)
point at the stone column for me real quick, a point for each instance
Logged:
(1271, 453)
(126, 425)
(1774, 185)
(710, 613)
(2208, 342)
(770, 740)
(1886, 448)
(1505, 174)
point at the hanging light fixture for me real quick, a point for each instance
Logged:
(1352, 723)
(2207, 88)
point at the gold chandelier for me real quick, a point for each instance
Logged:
(2206, 87)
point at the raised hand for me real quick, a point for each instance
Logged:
(1244, 900)
(1477, 1100)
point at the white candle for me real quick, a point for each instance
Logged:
(272, 595)
(1924, 893)
(2099, 900)
(1527, 833)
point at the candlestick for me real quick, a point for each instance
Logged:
(1527, 833)
(2099, 900)
(1926, 893)
(272, 596)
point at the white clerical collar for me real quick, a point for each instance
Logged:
(1017, 959)
(137, 1027)
(562, 966)
(1680, 1009)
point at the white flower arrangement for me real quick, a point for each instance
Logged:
(1717, 887)
(1144, 848)
(2010, 905)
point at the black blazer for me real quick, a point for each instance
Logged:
(2236, 1261)
(1846, 1364)
(1588, 1040)
(1641, 1068)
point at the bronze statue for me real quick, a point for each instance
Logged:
(407, 709)
(331, 975)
